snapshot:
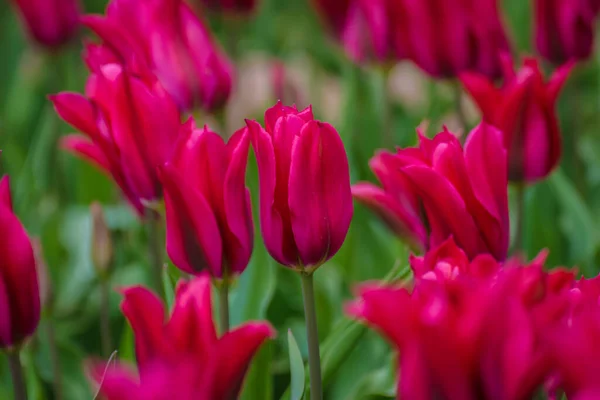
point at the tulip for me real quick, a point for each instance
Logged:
(565, 29)
(131, 124)
(181, 357)
(51, 23)
(19, 292)
(361, 25)
(231, 6)
(208, 209)
(169, 37)
(524, 110)
(463, 192)
(305, 197)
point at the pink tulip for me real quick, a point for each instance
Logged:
(169, 37)
(524, 110)
(305, 197)
(130, 121)
(51, 23)
(19, 292)
(181, 357)
(463, 193)
(209, 215)
(231, 6)
(565, 29)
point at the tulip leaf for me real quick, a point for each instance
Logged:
(168, 286)
(296, 368)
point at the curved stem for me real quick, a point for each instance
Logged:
(314, 358)
(224, 306)
(16, 371)
(519, 234)
(155, 244)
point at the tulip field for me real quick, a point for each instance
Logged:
(307, 199)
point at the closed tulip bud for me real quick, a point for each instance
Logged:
(51, 23)
(130, 121)
(565, 29)
(524, 110)
(168, 37)
(19, 292)
(102, 248)
(305, 197)
(208, 210)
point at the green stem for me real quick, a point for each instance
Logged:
(54, 359)
(520, 217)
(386, 111)
(154, 250)
(224, 306)
(314, 358)
(105, 317)
(16, 371)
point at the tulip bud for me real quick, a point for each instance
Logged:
(51, 23)
(102, 248)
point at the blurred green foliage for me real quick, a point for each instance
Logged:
(53, 191)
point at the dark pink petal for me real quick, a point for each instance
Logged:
(557, 81)
(115, 382)
(82, 147)
(5, 196)
(320, 197)
(77, 111)
(483, 92)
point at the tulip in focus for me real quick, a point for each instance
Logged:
(19, 292)
(231, 6)
(462, 192)
(51, 23)
(565, 29)
(524, 110)
(173, 41)
(305, 197)
(208, 210)
(130, 121)
(181, 357)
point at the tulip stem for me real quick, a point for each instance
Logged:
(460, 111)
(154, 250)
(105, 317)
(54, 359)
(314, 358)
(224, 306)
(16, 371)
(386, 111)
(520, 217)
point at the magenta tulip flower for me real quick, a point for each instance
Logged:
(51, 23)
(130, 121)
(524, 110)
(208, 210)
(181, 357)
(305, 197)
(565, 29)
(19, 291)
(462, 193)
(169, 37)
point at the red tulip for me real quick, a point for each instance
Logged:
(169, 37)
(130, 121)
(463, 192)
(305, 197)
(524, 109)
(231, 6)
(19, 292)
(181, 358)
(361, 25)
(51, 23)
(565, 29)
(209, 216)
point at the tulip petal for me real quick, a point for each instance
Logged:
(557, 81)
(483, 92)
(82, 147)
(320, 197)
(77, 111)
(5, 196)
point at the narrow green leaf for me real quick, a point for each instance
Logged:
(168, 286)
(296, 368)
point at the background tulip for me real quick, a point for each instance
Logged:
(50, 23)
(524, 110)
(305, 198)
(176, 45)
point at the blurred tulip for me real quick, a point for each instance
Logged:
(51, 23)
(231, 6)
(305, 197)
(208, 210)
(102, 248)
(463, 192)
(565, 29)
(131, 123)
(181, 358)
(19, 292)
(524, 110)
(169, 37)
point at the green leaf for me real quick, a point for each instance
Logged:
(168, 286)
(296, 368)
